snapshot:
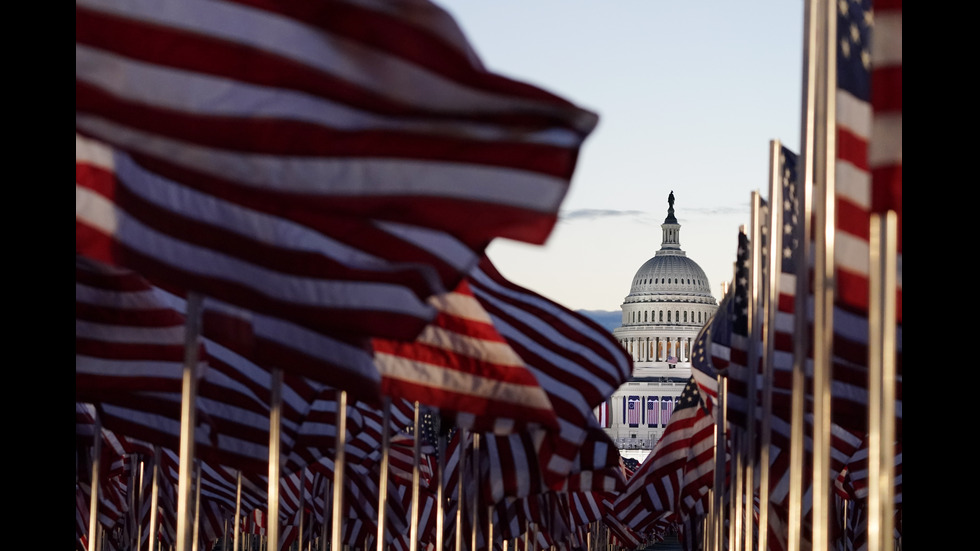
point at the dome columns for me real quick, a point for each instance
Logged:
(659, 349)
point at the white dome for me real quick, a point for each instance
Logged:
(669, 273)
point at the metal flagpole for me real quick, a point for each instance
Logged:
(735, 501)
(460, 464)
(757, 240)
(413, 529)
(275, 421)
(490, 527)
(188, 420)
(824, 278)
(93, 511)
(338, 473)
(811, 134)
(770, 299)
(326, 508)
(302, 506)
(440, 486)
(882, 343)
(475, 460)
(154, 497)
(721, 421)
(383, 475)
(238, 513)
(138, 502)
(197, 505)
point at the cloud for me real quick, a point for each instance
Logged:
(594, 214)
(647, 216)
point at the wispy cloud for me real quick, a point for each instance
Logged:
(643, 215)
(595, 214)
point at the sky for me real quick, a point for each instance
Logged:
(689, 96)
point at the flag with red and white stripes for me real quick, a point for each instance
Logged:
(334, 162)
(577, 362)
(657, 488)
(461, 364)
(867, 126)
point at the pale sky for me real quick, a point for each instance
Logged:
(688, 94)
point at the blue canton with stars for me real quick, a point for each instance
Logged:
(854, 24)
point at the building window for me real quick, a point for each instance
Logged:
(668, 316)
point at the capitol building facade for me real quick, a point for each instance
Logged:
(669, 302)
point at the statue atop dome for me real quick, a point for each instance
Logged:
(670, 209)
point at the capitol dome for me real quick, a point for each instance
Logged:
(668, 303)
(671, 274)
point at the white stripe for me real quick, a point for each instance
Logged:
(437, 243)
(885, 147)
(339, 177)
(458, 382)
(854, 184)
(853, 114)
(851, 253)
(128, 368)
(497, 353)
(130, 334)
(462, 306)
(886, 40)
(314, 344)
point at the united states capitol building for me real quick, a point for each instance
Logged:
(668, 303)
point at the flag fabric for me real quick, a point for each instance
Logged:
(461, 364)
(867, 179)
(129, 361)
(603, 414)
(653, 411)
(633, 411)
(323, 162)
(869, 136)
(656, 489)
(347, 276)
(577, 362)
(721, 347)
(372, 108)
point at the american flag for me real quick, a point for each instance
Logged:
(868, 125)
(721, 346)
(577, 362)
(657, 487)
(653, 411)
(331, 162)
(461, 364)
(633, 410)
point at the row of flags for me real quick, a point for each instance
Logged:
(288, 204)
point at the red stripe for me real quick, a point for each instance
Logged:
(852, 218)
(852, 148)
(886, 90)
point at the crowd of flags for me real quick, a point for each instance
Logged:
(288, 333)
